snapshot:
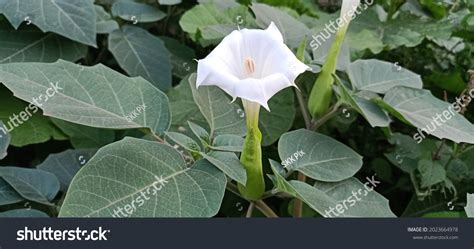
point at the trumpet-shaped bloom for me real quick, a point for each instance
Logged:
(251, 64)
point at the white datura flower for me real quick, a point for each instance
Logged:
(251, 64)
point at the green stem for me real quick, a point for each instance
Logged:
(298, 208)
(251, 157)
(266, 210)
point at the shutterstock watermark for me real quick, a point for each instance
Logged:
(18, 119)
(331, 27)
(49, 234)
(143, 196)
(437, 120)
(352, 200)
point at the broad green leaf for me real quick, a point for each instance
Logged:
(36, 129)
(29, 44)
(380, 76)
(365, 40)
(445, 214)
(83, 136)
(424, 111)
(182, 57)
(222, 116)
(468, 156)
(184, 141)
(318, 156)
(137, 12)
(229, 163)
(280, 119)
(293, 31)
(4, 141)
(470, 205)
(433, 203)
(93, 96)
(406, 154)
(228, 142)
(8, 195)
(32, 184)
(23, 213)
(66, 164)
(105, 23)
(183, 107)
(208, 24)
(169, 2)
(337, 199)
(140, 53)
(431, 173)
(75, 20)
(366, 203)
(132, 168)
(222, 5)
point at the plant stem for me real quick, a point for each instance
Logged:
(326, 117)
(298, 208)
(304, 110)
(250, 210)
(266, 210)
(233, 188)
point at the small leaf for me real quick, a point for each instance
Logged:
(8, 195)
(21, 133)
(182, 57)
(32, 184)
(84, 136)
(66, 164)
(23, 213)
(229, 163)
(105, 23)
(136, 12)
(200, 133)
(293, 31)
(228, 142)
(431, 173)
(184, 141)
(318, 156)
(4, 140)
(222, 116)
(183, 107)
(470, 205)
(280, 119)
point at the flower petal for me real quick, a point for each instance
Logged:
(275, 65)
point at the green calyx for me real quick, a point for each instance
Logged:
(321, 94)
(251, 157)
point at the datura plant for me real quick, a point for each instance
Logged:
(252, 65)
(236, 108)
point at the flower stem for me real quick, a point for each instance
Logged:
(265, 209)
(251, 157)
